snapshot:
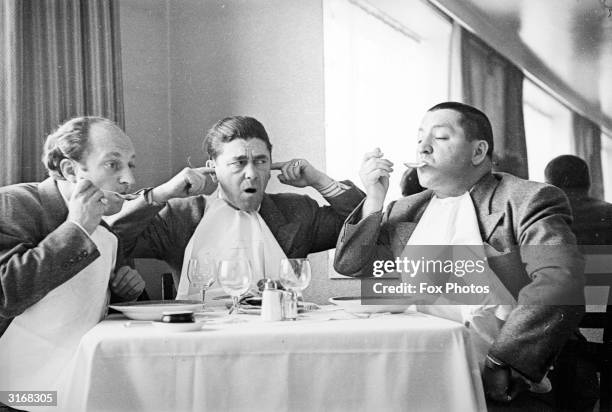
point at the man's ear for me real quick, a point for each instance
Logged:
(211, 163)
(479, 153)
(68, 170)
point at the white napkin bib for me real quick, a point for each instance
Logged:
(36, 349)
(453, 221)
(221, 232)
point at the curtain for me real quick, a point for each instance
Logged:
(60, 59)
(587, 141)
(495, 86)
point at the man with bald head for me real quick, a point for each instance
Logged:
(58, 258)
(522, 228)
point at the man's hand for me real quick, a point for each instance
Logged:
(86, 205)
(300, 173)
(127, 283)
(499, 385)
(374, 174)
(188, 182)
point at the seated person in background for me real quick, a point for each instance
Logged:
(268, 227)
(592, 217)
(58, 258)
(467, 204)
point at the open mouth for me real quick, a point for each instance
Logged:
(250, 190)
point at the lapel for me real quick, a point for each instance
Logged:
(482, 195)
(403, 231)
(284, 232)
(404, 226)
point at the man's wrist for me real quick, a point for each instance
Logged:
(153, 197)
(333, 189)
(80, 226)
(371, 206)
(322, 182)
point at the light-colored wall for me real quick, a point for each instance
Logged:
(263, 59)
(144, 55)
(189, 63)
(144, 47)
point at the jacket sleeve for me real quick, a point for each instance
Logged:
(140, 229)
(328, 220)
(362, 241)
(551, 305)
(157, 232)
(34, 263)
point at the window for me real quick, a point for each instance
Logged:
(548, 129)
(386, 63)
(606, 162)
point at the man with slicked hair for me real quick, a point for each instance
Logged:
(523, 229)
(176, 227)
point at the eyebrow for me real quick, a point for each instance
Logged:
(437, 126)
(111, 155)
(116, 155)
(447, 125)
(244, 157)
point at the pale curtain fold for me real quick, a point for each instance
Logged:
(59, 59)
(495, 86)
(587, 141)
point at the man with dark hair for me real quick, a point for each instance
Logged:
(592, 217)
(475, 123)
(58, 258)
(522, 228)
(268, 227)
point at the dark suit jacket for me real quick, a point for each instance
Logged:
(592, 219)
(39, 250)
(513, 215)
(297, 222)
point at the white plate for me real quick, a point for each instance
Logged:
(353, 304)
(153, 309)
(178, 327)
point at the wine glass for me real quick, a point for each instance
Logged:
(201, 273)
(295, 275)
(235, 278)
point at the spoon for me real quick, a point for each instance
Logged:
(126, 196)
(415, 165)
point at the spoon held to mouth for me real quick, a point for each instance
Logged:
(415, 165)
(124, 196)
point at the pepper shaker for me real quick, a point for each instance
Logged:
(290, 308)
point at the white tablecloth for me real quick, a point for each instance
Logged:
(394, 362)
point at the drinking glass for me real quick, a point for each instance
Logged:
(235, 278)
(295, 276)
(201, 273)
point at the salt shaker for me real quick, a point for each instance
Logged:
(271, 302)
